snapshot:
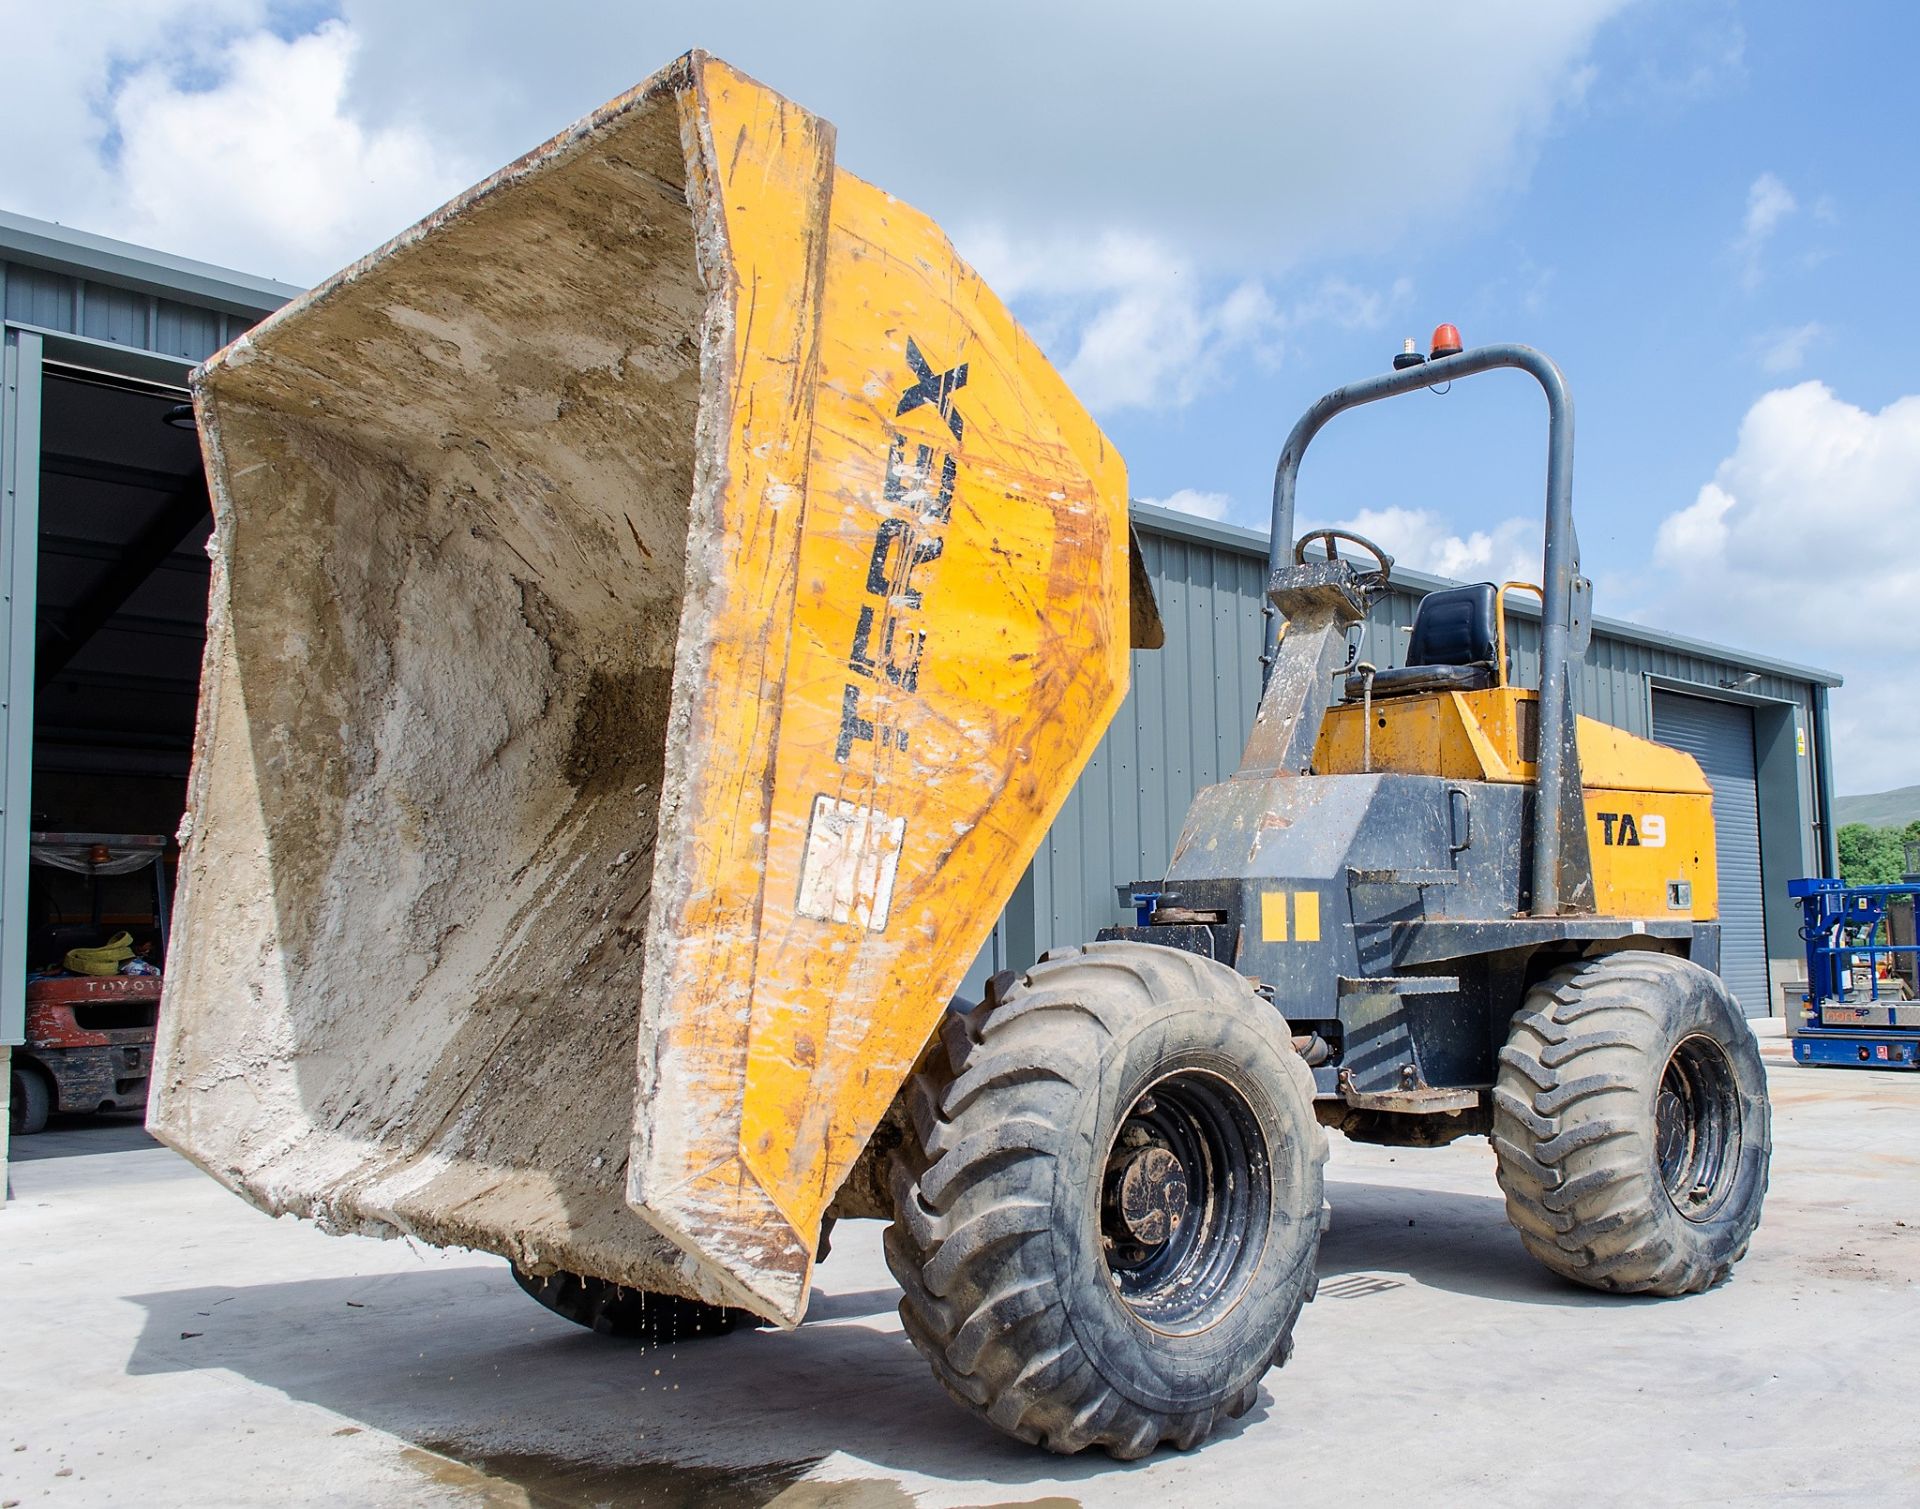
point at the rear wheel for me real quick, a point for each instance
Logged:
(629, 1314)
(1631, 1125)
(1107, 1219)
(31, 1100)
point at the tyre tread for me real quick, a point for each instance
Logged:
(978, 1297)
(609, 1309)
(1572, 1138)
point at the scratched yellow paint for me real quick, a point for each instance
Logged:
(917, 630)
(1478, 736)
(1641, 843)
(1491, 735)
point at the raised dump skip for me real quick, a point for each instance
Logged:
(660, 602)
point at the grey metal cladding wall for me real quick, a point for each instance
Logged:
(104, 312)
(37, 297)
(1191, 706)
(114, 314)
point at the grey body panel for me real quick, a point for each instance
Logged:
(1423, 949)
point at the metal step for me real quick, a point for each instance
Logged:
(1424, 1100)
(1399, 985)
(1403, 877)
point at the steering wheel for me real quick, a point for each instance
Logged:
(1333, 537)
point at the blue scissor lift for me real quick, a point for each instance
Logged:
(1843, 1024)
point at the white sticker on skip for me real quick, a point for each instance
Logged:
(853, 854)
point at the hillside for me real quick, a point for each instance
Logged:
(1879, 809)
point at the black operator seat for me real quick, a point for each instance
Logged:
(1452, 648)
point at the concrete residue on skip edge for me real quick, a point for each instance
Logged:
(436, 713)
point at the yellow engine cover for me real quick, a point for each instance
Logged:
(1649, 807)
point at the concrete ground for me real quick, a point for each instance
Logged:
(161, 1343)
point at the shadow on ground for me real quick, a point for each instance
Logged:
(77, 1136)
(458, 1361)
(1460, 1243)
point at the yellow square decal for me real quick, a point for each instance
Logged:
(1273, 916)
(1306, 916)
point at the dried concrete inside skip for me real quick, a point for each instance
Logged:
(166, 1344)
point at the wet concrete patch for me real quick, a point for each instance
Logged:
(501, 1480)
(515, 1480)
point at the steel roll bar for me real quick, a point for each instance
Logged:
(1556, 620)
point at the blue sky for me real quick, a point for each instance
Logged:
(1621, 255)
(1703, 209)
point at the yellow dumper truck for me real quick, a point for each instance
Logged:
(660, 602)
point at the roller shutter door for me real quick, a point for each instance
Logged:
(1720, 736)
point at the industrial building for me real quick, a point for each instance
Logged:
(102, 547)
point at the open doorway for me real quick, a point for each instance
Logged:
(122, 604)
(118, 634)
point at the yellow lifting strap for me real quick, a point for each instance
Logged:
(104, 960)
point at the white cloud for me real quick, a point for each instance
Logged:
(1134, 323)
(1698, 531)
(1231, 131)
(1190, 500)
(1769, 203)
(1785, 351)
(1703, 53)
(1156, 223)
(63, 62)
(280, 169)
(1799, 547)
(1423, 540)
(1349, 306)
(204, 132)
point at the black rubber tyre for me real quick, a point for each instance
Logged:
(629, 1314)
(31, 1100)
(1108, 1212)
(1631, 1125)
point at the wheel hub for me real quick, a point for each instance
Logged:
(1152, 1194)
(1185, 1192)
(1697, 1127)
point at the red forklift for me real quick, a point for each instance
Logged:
(93, 995)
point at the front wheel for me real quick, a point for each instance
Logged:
(627, 1314)
(1109, 1224)
(1631, 1125)
(31, 1102)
